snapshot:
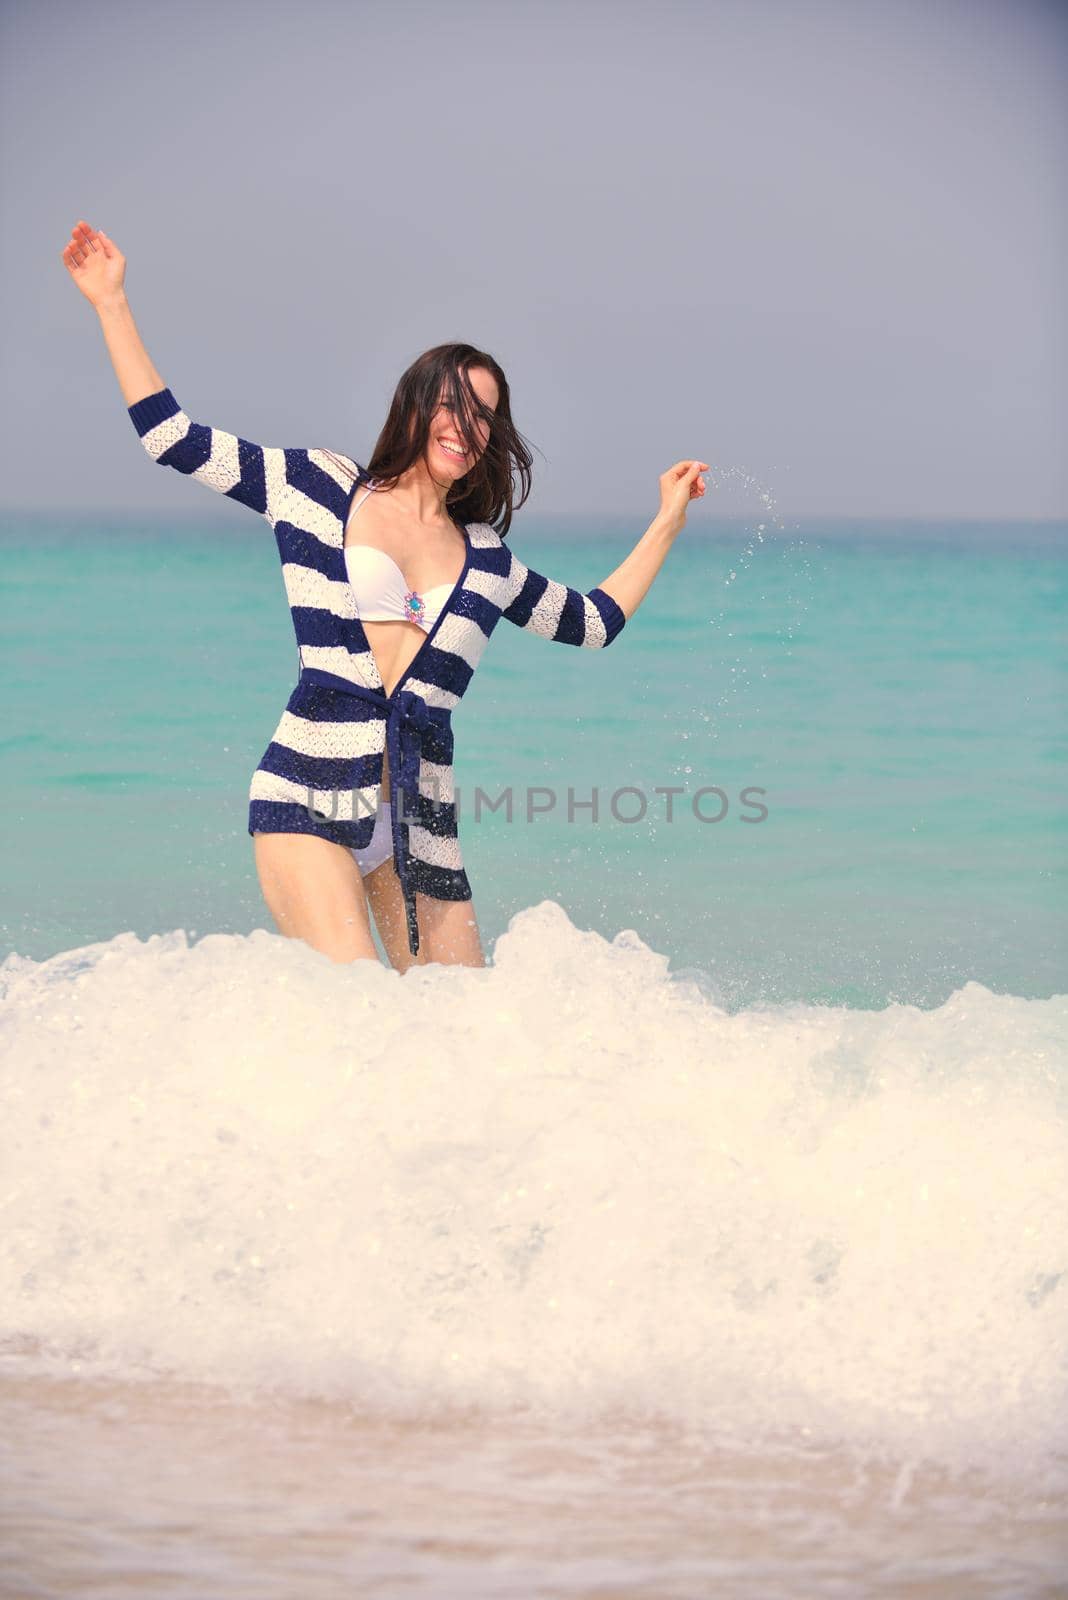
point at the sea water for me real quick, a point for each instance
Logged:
(710, 1240)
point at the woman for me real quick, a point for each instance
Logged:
(396, 575)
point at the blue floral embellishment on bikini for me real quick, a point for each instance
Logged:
(413, 605)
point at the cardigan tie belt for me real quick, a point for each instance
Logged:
(408, 719)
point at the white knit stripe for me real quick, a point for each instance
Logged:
(274, 472)
(433, 849)
(222, 469)
(165, 434)
(336, 805)
(440, 699)
(330, 739)
(357, 666)
(545, 617)
(461, 637)
(306, 586)
(436, 782)
(486, 584)
(596, 632)
(311, 516)
(513, 582)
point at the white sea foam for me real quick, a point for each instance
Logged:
(568, 1185)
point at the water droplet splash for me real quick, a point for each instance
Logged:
(747, 670)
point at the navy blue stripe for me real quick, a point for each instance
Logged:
(437, 746)
(443, 883)
(444, 669)
(318, 702)
(155, 408)
(315, 626)
(436, 816)
(494, 558)
(324, 704)
(571, 628)
(527, 598)
(477, 608)
(283, 816)
(251, 490)
(612, 614)
(296, 464)
(319, 485)
(298, 547)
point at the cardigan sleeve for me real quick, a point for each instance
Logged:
(557, 612)
(251, 473)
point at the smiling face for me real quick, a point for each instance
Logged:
(447, 454)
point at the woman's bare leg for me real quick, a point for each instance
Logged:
(314, 892)
(448, 931)
(451, 931)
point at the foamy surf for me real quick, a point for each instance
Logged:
(568, 1188)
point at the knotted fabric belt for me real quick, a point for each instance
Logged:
(408, 719)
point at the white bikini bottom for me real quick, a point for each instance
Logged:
(381, 846)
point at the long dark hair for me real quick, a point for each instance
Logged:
(487, 492)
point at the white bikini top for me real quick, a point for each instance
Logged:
(381, 592)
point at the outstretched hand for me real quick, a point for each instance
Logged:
(96, 264)
(678, 486)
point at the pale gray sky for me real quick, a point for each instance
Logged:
(822, 240)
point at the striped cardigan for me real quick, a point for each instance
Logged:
(322, 770)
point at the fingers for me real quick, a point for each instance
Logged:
(77, 251)
(689, 473)
(86, 242)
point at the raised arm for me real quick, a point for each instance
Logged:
(569, 616)
(250, 473)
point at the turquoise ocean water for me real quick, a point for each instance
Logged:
(897, 693)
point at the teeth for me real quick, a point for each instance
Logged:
(452, 449)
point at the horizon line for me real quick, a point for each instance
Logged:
(206, 513)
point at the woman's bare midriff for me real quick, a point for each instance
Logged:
(394, 646)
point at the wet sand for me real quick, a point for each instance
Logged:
(164, 1489)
